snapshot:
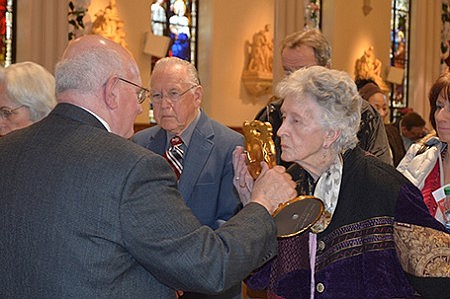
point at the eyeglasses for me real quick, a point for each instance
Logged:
(142, 94)
(6, 112)
(173, 95)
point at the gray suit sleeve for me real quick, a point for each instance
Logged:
(167, 239)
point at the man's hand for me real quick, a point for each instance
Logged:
(272, 187)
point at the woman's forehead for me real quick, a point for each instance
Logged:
(299, 104)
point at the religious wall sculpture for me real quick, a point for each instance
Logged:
(108, 24)
(369, 67)
(258, 73)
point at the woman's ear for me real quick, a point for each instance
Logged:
(111, 92)
(330, 137)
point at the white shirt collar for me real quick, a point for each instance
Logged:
(104, 123)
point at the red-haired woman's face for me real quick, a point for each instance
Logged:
(442, 117)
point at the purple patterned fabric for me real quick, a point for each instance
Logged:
(408, 198)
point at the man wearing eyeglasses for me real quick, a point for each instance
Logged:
(206, 178)
(86, 213)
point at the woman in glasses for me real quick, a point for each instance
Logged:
(27, 94)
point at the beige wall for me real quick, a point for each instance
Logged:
(350, 32)
(225, 28)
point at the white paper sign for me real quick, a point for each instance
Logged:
(439, 197)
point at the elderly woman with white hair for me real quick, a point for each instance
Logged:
(27, 94)
(375, 238)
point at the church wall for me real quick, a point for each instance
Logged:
(225, 28)
(350, 32)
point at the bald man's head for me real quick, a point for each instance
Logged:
(101, 76)
(89, 61)
(92, 41)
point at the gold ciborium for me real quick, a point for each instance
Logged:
(296, 215)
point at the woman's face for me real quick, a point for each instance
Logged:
(12, 116)
(442, 117)
(303, 140)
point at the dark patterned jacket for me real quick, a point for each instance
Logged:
(380, 243)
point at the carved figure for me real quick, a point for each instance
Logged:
(261, 55)
(108, 24)
(368, 66)
(259, 145)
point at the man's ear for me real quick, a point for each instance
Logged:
(198, 94)
(111, 92)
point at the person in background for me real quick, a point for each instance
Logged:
(373, 94)
(206, 178)
(427, 162)
(375, 236)
(308, 48)
(412, 128)
(86, 213)
(27, 94)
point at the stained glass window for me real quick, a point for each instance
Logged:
(178, 20)
(6, 32)
(399, 55)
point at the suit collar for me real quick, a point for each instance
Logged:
(70, 111)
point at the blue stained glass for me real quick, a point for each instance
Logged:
(399, 55)
(177, 19)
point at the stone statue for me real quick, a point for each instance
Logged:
(369, 67)
(261, 55)
(108, 24)
(257, 75)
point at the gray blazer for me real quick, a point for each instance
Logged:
(87, 214)
(206, 183)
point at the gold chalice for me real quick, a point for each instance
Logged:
(296, 215)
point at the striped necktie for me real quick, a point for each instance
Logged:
(175, 154)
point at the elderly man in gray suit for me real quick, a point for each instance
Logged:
(205, 169)
(85, 213)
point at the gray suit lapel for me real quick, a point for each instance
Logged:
(200, 148)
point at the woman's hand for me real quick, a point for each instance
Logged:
(243, 181)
